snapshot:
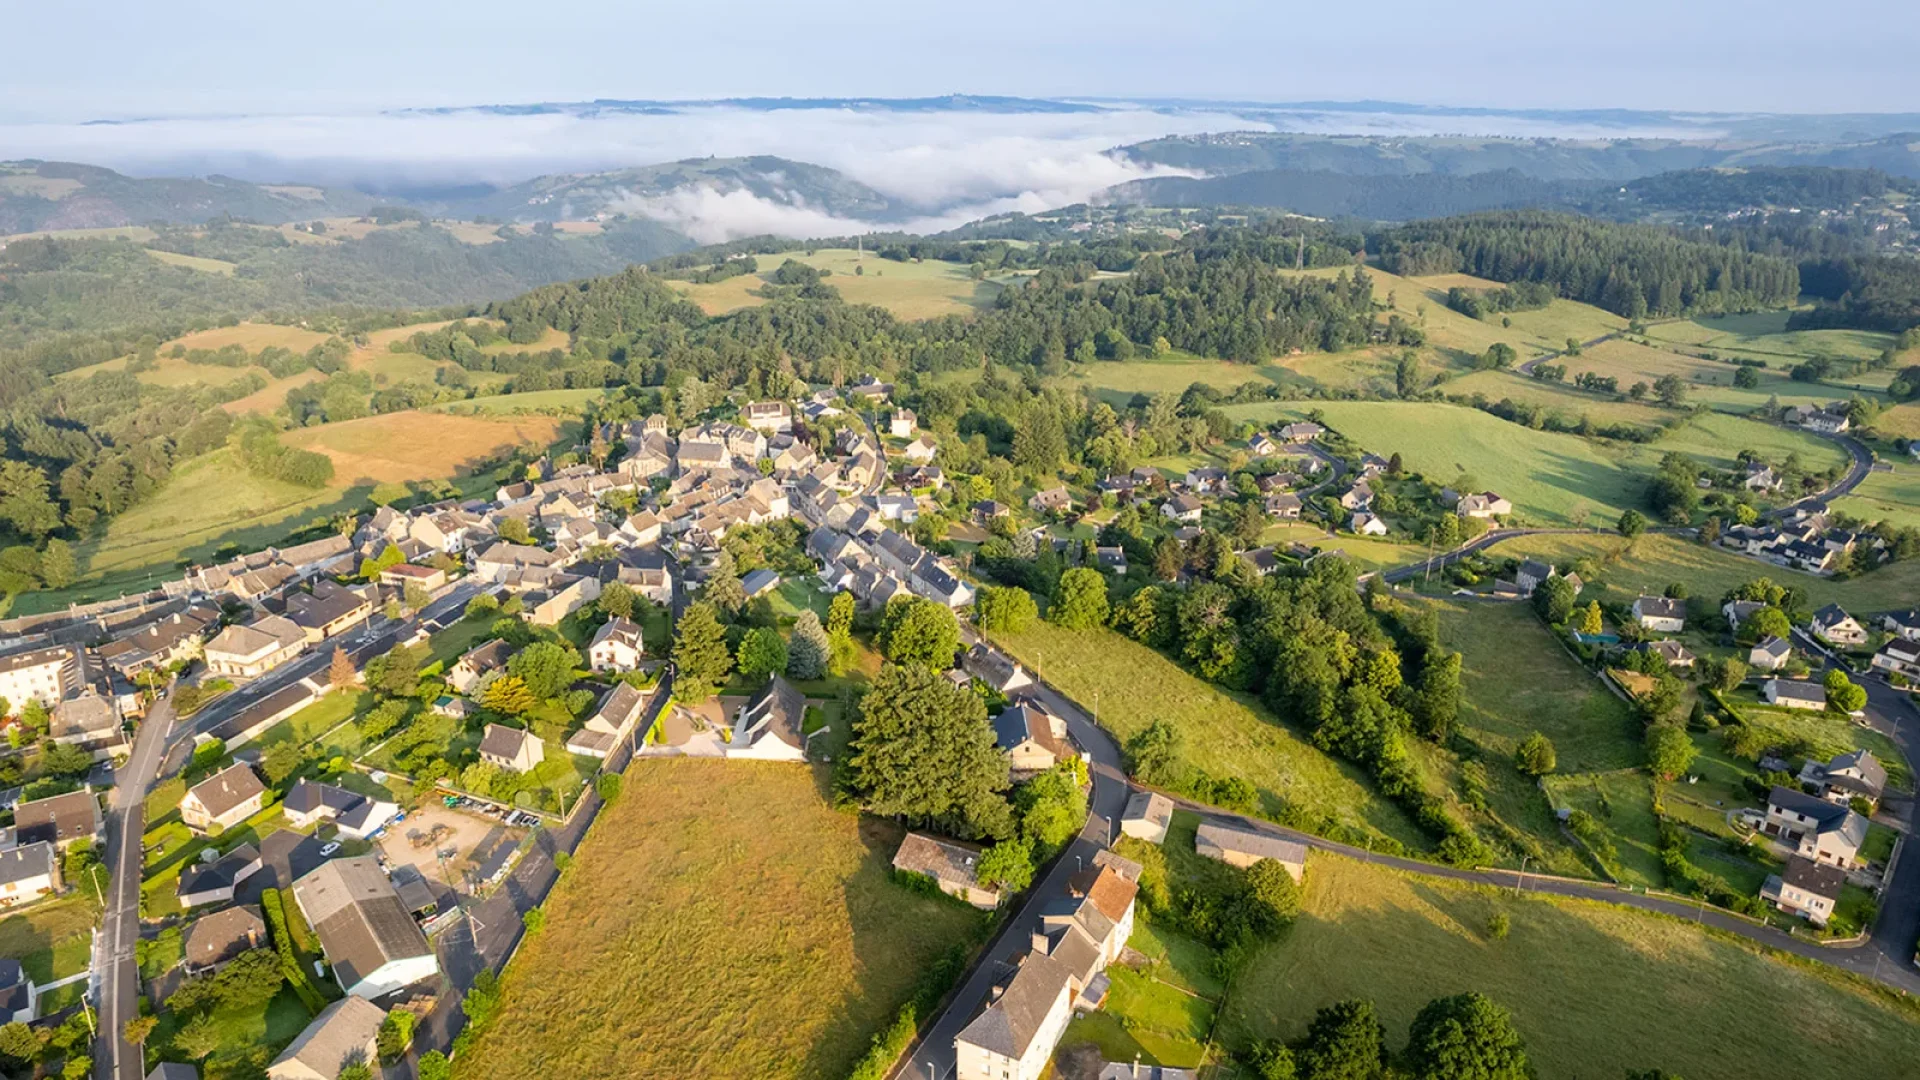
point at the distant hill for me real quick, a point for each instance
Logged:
(1323, 193)
(46, 195)
(572, 197)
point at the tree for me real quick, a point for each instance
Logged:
(1345, 1041)
(762, 652)
(918, 631)
(514, 531)
(483, 606)
(722, 588)
(1272, 1060)
(57, 566)
(1274, 894)
(701, 659)
(617, 601)
(1765, 623)
(608, 787)
(1153, 754)
(433, 1065)
(1436, 705)
(1745, 377)
(340, 673)
(282, 760)
(1671, 390)
(1669, 751)
(137, 1029)
(1007, 864)
(508, 694)
(1843, 694)
(1728, 674)
(1466, 1037)
(1535, 755)
(1080, 603)
(199, 1036)
(1007, 608)
(840, 614)
(547, 667)
(1590, 619)
(1553, 599)
(397, 672)
(809, 648)
(18, 1042)
(396, 1031)
(1632, 524)
(922, 750)
(358, 1070)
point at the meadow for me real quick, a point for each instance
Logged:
(1129, 686)
(911, 290)
(1763, 335)
(1595, 990)
(1887, 496)
(1707, 381)
(420, 445)
(52, 939)
(672, 948)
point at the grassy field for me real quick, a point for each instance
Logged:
(1595, 990)
(1707, 381)
(1716, 439)
(194, 262)
(250, 1038)
(1558, 397)
(1367, 553)
(921, 290)
(1552, 479)
(52, 939)
(1224, 735)
(1119, 380)
(419, 445)
(1764, 336)
(676, 947)
(1899, 422)
(1883, 496)
(1651, 562)
(533, 402)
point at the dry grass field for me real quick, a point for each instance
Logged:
(722, 920)
(920, 290)
(419, 445)
(194, 262)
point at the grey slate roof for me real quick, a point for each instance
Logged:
(1009, 1025)
(1252, 843)
(1825, 815)
(338, 1037)
(228, 788)
(359, 917)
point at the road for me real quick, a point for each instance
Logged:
(115, 1058)
(1527, 367)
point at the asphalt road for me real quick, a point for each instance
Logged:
(115, 1058)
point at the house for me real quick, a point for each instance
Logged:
(1263, 560)
(1814, 827)
(1014, 1038)
(224, 799)
(902, 424)
(328, 610)
(1806, 889)
(250, 651)
(952, 866)
(770, 726)
(1532, 574)
(1244, 847)
(1181, 507)
(1263, 445)
(28, 873)
(1366, 524)
(1846, 777)
(1770, 654)
(1902, 624)
(345, 1033)
(1834, 626)
(1357, 497)
(1112, 559)
(1052, 500)
(1483, 504)
(1739, 611)
(511, 748)
(365, 931)
(871, 389)
(1303, 431)
(759, 582)
(19, 999)
(1661, 613)
(1826, 421)
(214, 939)
(160, 643)
(1147, 815)
(769, 415)
(987, 511)
(1794, 694)
(1033, 739)
(499, 561)
(355, 815)
(567, 594)
(1899, 657)
(1284, 504)
(1760, 477)
(616, 646)
(214, 882)
(478, 662)
(60, 820)
(1675, 654)
(401, 575)
(610, 723)
(90, 720)
(1207, 478)
(1000, 672)
(922, 450)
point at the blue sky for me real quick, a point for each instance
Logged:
(121, 58)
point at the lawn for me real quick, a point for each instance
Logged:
(319, 725)
(1887, 496)
(682, 889)
(911, 290)
(250, 1037)
(1716, 439)
(53, 939)
(1144, 1017)
(1621, 803)
(1764, 336)
(1595, 990)
(419, 444)
(170, 847)
(1552, 479)
(1560, 397)
(1225, 735)
(1366, 552)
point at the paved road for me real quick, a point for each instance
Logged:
(1859, 464)
(115, 1058)
(1527, 367)
(934, 1057)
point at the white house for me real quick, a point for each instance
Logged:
(345, 1033)
(768, 727)
(1014, 1038)
(1182, 507)
(511, 748)
(1367, 524)
(1661, 613)
(902, 424)
(1833, 625)
(1147, 816)
(1483, 504)
(1770, 654)
(224, 799)
(1794, 694)
(1815, 828)
(616, 646)
(1807, 889)
(28, 873)
(368, 936)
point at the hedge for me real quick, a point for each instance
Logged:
(296, 972)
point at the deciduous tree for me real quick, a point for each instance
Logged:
(923, 751)
(1080, 603)
(1466, 1037)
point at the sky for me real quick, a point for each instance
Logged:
(116, 59)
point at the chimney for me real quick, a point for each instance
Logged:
(1040, 943)
(1136, 1065)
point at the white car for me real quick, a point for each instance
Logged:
(330, 848)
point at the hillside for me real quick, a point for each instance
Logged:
(584, 196)
(49, 195)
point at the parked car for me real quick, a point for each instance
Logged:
(331, 847)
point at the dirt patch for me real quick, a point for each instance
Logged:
(420, 445)
(465, 843)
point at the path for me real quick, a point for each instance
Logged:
(115, 1058)
(1526, 368)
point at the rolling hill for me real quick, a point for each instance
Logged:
(48, 195)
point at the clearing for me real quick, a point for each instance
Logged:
(911, 290)
(1594, 989)
(419, 444)
(679, 916)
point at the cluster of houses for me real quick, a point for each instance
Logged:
(30, 851)
(1821, 830)
(1827, 419)
(1804, 540)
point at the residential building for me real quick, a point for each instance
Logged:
(478, 662)
(1794, 694)
(758, 583)
(42, 675)
(1112, 559)
(1833, 625)
(1902, 624)
(224, 799)
(160, 643)
(769, 415)
(1484, 504)
(498, 562)
(1033, 739)
(1815, 828)
(366, 932)
(60, 820)
(1052, 500)
(1769, 654)
(1263, 445)
(1244, 847)
(565, 595)
(1357, 497)
(401, 575)
(89, 720)
(511, 748)
(250, 651)
(1181, 507)
(1285, 505)
(1739, 611)
(329, 609)
(1807, 889)
(214, 882)
(610, 723)
(19, 1000)
(1846, 777)
(1134, 1070)
(1147, 816)
(345, 1033)
(770, 726)
(1661, 613)
(1303, 431)
(1899, 657)
(1365, 524)
(922, 450)
(356, 816)
(28, 872)
(214, 939)
(902, 424)
(1532, 574)
(1014, 1038)
(953, 866)
(999, 671)
(616, 646)
(1675, 654)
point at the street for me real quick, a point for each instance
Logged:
(115, 1058)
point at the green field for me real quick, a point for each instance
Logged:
(1595, 990)
(1224, 734)
(1887, 496)
(1557, 397)
(911, 290)
(534, 401)
(53, 939)
(194, 262)
(1707, 381)
(1764, 336)
(1117, 381)
(682, 889)
(1716, 439)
